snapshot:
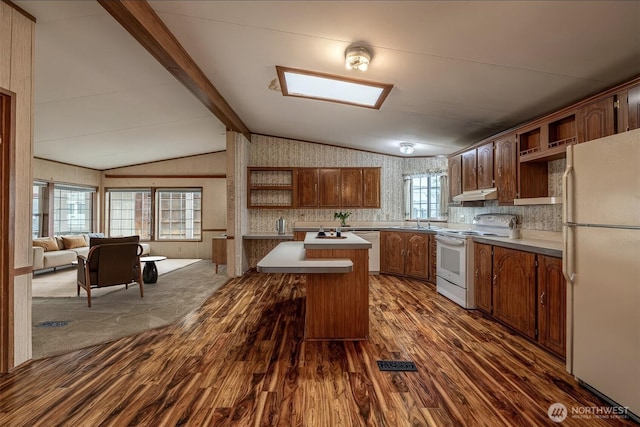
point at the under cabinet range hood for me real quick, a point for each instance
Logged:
(476, 195)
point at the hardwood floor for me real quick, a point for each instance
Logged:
(240, 360)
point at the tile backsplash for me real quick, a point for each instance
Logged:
(536, 217)
(272, 151)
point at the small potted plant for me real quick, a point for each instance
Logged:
(342, 216)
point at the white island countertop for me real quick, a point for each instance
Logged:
(348, 241)
(289, 257)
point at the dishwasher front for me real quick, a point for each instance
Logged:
(374, 253)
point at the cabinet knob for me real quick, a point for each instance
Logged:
(495, 278)
(542, 298)
(477, 273)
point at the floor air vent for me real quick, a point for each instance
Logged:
(53, 324)
(396, 365)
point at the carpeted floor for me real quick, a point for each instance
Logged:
(62, 283)
(64, 324)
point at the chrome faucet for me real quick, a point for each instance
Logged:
(418, 221)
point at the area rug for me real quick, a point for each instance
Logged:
(61, 325)
(62, 283)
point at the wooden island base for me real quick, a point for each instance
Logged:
(337, 294)
(337, 305)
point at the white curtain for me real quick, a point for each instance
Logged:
(444, 195)
(407, 197)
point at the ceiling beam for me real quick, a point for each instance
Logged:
(142, 22)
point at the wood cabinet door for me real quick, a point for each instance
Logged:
(552, 305)
(433, 256)
(455, 176)
(417, 255)
(371, 195)
(469, 168)
(596, 120)
(392, 252)
(351, 187)
(514, 289)
(633, 99)
(329, 188)
(485, 166)
(482, 276)
(306, 188)
(505, 168)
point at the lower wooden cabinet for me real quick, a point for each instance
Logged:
(525, 291)
(552, 305)
(514, 289)
(406, 254)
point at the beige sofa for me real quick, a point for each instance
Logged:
(58, 251)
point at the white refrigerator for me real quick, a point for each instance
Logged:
(601, 263)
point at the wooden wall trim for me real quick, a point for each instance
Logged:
(165, 176)
(141, 21)
(7, 230)
(21, 271)
(213, 229)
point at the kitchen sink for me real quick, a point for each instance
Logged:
(413, 227)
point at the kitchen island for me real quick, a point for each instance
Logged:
(337, 273)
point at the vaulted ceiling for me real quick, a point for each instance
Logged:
(461, 71)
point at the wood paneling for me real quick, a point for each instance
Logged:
(240, 359)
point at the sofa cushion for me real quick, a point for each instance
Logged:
(47, 243)
(72, 242)
(58, 258)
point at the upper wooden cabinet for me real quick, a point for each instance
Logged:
(469, 167)
(477, 168)
(505, 168)
(351, 188)
(633, 102)
(337, 187)
(329, 188)
(455, 176)
(306, 188)
(596, 120)
(371, 193)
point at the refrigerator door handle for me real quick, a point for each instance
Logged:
(567, 216)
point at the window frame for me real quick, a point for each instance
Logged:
(429, 204)
(154, 209)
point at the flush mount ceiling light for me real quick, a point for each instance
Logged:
(328, 87)
(357, 58)
(406, 147)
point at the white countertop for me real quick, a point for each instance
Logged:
(531, 244)
(289, 257)
(349, 241)
(255, 235)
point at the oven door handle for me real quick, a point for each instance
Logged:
(450, 242)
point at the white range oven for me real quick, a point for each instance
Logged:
(455, 263)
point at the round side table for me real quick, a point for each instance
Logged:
(150, 271)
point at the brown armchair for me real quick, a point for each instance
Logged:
(110, 261)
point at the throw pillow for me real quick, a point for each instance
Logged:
(47, 243)
(72, 242)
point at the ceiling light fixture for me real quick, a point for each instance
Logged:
(406, 147)
(357, 58)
